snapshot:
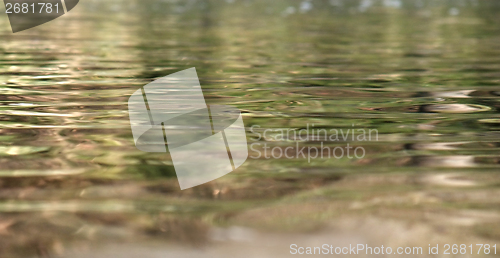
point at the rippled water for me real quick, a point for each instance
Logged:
(425, 74)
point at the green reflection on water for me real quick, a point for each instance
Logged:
(426, 77)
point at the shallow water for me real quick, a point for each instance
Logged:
(424, 74)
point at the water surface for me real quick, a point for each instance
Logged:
(425, 74)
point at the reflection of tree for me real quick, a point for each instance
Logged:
(177, 36)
